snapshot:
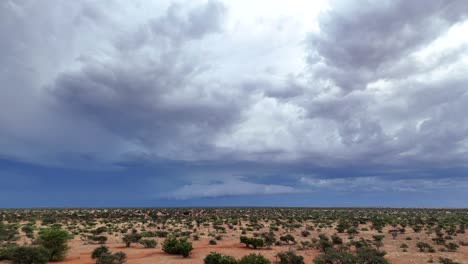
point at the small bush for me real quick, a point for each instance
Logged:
(217, 258)
(149, 243)
(112, 258)
(98, 252)
(30, 255)
(254, 259)
(289, 257)
(447, 261)
(176, 246)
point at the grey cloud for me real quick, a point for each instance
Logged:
(183, 84)
(152, 94)
(359, 40)
(195, 24)
(375, 183)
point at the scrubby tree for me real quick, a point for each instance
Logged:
(128, 239)
(55, 240)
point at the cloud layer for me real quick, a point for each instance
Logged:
(332, 84)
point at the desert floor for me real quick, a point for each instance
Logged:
(80, 251)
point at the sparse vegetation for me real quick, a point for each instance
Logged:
(351, 235)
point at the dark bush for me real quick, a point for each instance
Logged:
(112, 258)
(98, 252)
(217, 258)
(176, 246)
(128, 239)
(30, 255)
(149, 243)
(289, 257)
(254, 259)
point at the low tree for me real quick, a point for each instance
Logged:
(128, 239)
(55, 240)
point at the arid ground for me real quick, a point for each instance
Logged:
(226, 226)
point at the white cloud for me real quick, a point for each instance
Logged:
(232, 187)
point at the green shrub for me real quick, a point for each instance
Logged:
(30, 255)
(332, 256)
(149, 243)
(98, 252)
(254, 259)
(176, 246)
(128, 239)
(452, 247)
(55, 240)
(289, 257)
(252, 241)
(217, 258)
(99, 239)
(6, 252)
(447, 261)
(112, 258)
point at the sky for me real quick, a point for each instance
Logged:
(142, 103)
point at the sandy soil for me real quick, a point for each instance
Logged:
(80, 251)
(230, 246)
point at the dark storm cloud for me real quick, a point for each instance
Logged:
(151, 94)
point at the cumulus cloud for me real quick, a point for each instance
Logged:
(360, 42)
(377, 84)
(231, 187)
